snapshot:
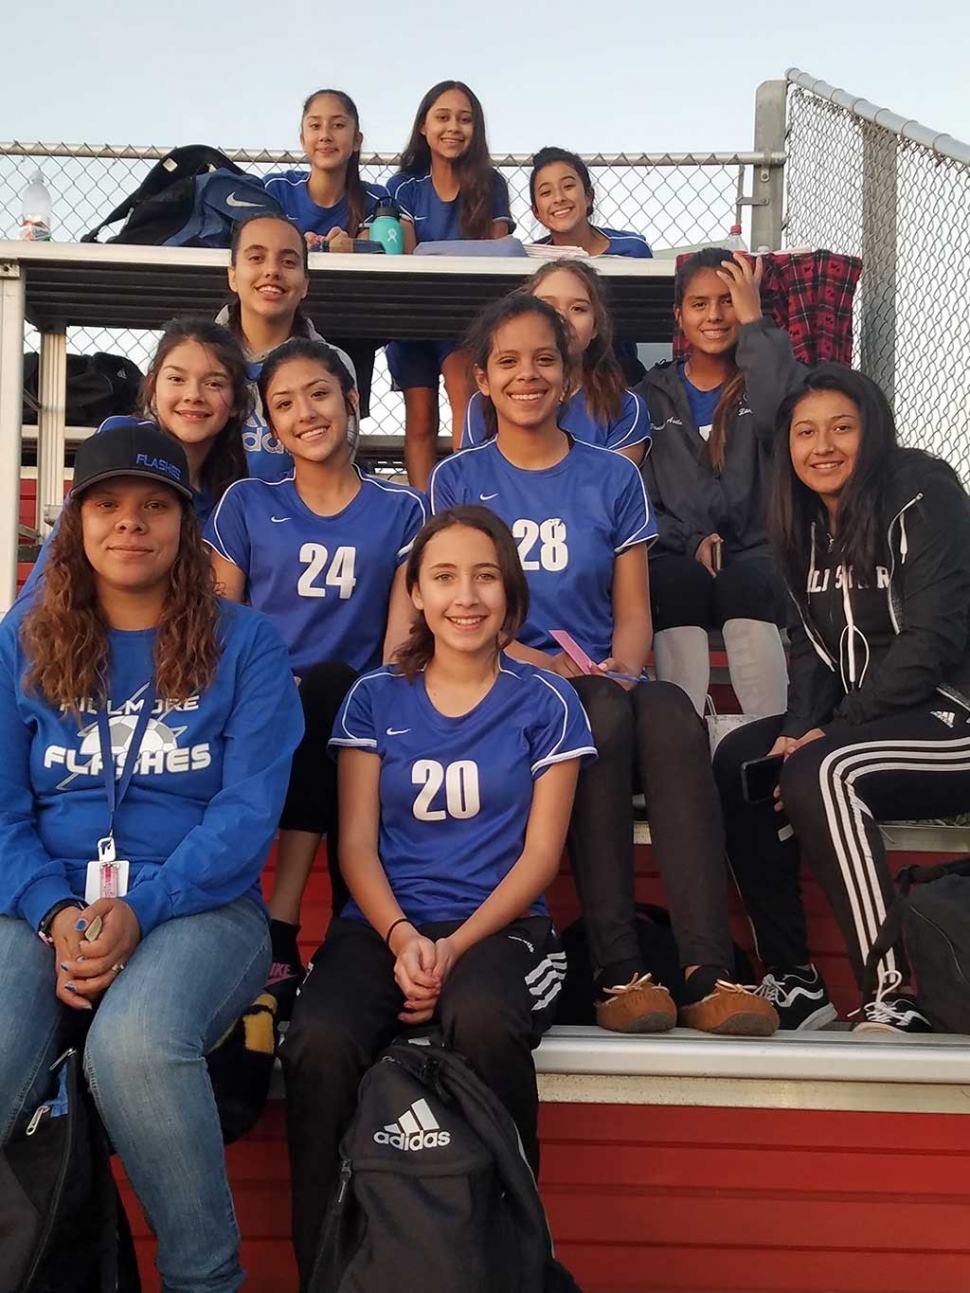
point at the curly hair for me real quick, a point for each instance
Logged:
(65, 635)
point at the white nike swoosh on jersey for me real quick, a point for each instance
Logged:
(397, 731)
(279, 519)
(233, 201)
(486, 497)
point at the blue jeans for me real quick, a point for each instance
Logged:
(144, 1058)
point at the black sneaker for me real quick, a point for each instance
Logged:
(800, 997)
(892, 1011)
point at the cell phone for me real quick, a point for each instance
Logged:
(717, 555)
(759, 778)
(93, 929)
(573, 650)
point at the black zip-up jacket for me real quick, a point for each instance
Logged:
(928, 543)
(690, 500)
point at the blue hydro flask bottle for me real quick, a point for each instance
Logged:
(386, 229)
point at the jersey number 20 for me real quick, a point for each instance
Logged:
(460, 780)
(340, 573)
(551, 537)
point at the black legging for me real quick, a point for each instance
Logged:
(311, 800)
(836, 790)
(652, 731)
(682, 592)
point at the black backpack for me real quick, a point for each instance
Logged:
(165, 201)
(434, 1183)
(63, 1228)
(98, 387)
(932, 916)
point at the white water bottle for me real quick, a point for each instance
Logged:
(734, 239)
(35, 225)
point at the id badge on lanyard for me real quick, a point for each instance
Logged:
(107, 875)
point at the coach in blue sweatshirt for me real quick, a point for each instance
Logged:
(142, 884)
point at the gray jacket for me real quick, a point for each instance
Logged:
(690, 499)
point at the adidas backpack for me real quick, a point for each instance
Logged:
(191, 198)
(433, 1182)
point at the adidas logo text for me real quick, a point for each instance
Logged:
(944, 717)
(416, 1128)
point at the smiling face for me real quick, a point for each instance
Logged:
(329, 134)
(460, 589)
(308, 411)
(568, 295)
(268, 274)
(562, 203)
(824, 437)
(525, 376)
(193, 394)
(131, 530)
(449, 126)
(707, 314)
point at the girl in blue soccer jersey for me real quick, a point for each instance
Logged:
(600, 410)
(197, 390)
(269, 277)
(321, 553)
(330, 203)
(457, 770)
(446, 189)
(583, 521)
(562, 196)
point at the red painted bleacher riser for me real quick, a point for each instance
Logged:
(700, 1199)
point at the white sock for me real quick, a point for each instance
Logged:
(756, 663)
(683, 655)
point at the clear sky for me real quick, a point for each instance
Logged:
(629, 77)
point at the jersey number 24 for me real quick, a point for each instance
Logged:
(339, 573)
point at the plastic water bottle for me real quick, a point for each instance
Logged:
(386, 229)
(35, 224)
(734, 239)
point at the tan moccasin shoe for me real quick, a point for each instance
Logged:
(640, 1006)
(731, 1011)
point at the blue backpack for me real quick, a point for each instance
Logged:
(191, 198)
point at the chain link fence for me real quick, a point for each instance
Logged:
(864, 182)
(673, 201)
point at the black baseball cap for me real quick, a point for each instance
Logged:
(124, 446)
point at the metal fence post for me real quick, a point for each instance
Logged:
(768, 189)
(877, 332)
(11, 413)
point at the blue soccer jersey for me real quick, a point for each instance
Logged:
(324, 581)
(570, 521)
(630, 428)
(289, 188)
(622, 242)
(456, 792)
(433, 219)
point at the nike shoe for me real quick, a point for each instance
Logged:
(800, 997)
(892, 1011)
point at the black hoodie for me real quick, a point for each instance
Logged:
(690, 500)
(928, 601)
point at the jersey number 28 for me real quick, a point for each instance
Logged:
(551, 537)
(339, 574)
(460, 781)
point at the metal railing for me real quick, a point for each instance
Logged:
(673, 199)
(864, 181)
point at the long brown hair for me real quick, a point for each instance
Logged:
(476, 175)
(354, 188)
(730, 397)
(301, 325)
(602, 377)
(418, 651)
(65, 635)
(226, 460)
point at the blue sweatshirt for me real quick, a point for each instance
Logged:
(201, 811)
